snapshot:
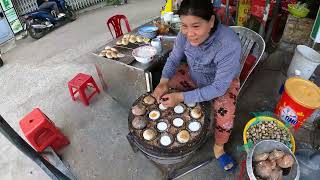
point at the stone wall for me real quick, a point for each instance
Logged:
(297, 30)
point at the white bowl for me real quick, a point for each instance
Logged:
(167, 17)
(144, 54)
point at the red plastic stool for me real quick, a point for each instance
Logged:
(80, 83)
(221, 12)
(41, 131)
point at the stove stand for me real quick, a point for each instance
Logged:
(171, 167)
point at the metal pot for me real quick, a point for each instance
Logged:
(268, 146)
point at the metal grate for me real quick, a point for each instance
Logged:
(25, 6)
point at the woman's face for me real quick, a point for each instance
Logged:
(196, 29)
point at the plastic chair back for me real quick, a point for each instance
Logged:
(115, 23)
(251, 43)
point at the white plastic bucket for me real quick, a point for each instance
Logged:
(305, 60)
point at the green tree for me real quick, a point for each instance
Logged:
(113, 2)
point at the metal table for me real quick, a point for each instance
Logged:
(126, 82)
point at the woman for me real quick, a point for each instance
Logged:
(212, 51)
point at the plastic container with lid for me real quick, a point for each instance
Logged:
(298, 101)
(305, 60)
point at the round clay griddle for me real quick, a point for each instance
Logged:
(175, 148)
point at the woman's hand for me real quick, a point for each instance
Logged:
(172, 99)
(161, 89)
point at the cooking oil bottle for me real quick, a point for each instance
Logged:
(168, 7)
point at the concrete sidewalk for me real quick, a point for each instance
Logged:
(36, 75)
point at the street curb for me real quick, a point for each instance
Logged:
(95, 7)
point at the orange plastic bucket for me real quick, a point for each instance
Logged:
(298, 101)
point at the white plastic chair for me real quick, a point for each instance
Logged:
(251, 43)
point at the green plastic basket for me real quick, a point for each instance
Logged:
(298, 12)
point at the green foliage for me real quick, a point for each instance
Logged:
(113, 2)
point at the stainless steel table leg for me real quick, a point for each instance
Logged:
(148, 77)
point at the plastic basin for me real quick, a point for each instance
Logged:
(298, 12)
(144, 54)
(268, 146)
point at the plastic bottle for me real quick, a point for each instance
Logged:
(168, 7)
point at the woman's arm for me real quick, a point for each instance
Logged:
(228, 65)
(175, 57)
(170, 67)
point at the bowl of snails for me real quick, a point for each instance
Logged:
(267, 128)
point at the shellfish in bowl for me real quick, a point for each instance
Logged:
(144, 54)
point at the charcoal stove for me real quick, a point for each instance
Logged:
(176, 153)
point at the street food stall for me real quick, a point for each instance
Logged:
(171, 136)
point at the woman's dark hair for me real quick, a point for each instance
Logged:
(199, 8)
